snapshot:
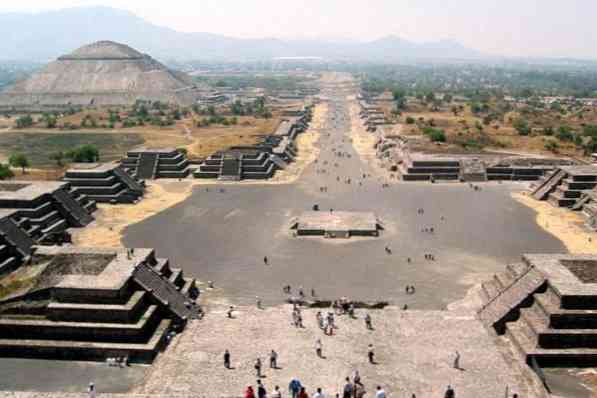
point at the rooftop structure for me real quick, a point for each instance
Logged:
(152, 163)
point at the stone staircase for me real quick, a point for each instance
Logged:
(231, 169)
(147, 165)
(548, 184)
(507, 291)
(165, 291)
(73, 209)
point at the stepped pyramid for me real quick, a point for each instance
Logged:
(102, 73)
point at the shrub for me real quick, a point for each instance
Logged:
(410, 120)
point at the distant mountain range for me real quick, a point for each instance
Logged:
(47, 35)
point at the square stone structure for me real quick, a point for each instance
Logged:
(547, 307)
(337, 224)
(93, 303)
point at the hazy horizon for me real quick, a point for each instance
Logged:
(533, 28)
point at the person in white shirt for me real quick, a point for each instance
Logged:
(91, 391)
(276, 393)
(318, 394)
(380, 393)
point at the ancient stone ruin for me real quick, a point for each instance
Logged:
(104, 183)
(92, 304)
(273, 152)
(99, 74)
(336, 224)
(152, 163)
(546, 306)
(37, 213)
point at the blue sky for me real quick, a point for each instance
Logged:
(506, 27)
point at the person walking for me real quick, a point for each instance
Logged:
(450, 393)
(319, 348)
(294, 387)
(318, 393)
(371, 354)
(227, 359)
(276, 393)
(261, 391)
(273, 360)
(457, 361)
(258, 367)
(303, 393)
(229, 312)
(91, 390)
(368, 323)
(380, 393)
(348, 390)
(249, 393)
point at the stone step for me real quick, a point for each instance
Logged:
(561, 318)
(189, 288)
(176, 277)
(47, 219)
(491, 289)
(87, 350)
(503, 280)
(57, 226)
(128, 312)
(8, 265)
(163, 266)
(82, 331)
(517, 269)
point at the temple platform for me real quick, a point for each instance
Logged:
(337, 224)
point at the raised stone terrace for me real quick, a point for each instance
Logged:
(45, 210)
(574, 187)
(273, 152)
(152, 163)
(104, 183)
(547, 307)
(92, 304)
(336, 224)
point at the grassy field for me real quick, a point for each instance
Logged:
(38, 146)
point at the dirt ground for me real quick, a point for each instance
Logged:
(566, 225)
(111, 220)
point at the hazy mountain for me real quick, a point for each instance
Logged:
(45, 36)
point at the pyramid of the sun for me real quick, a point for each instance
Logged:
(102, 73)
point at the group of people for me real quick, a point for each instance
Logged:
(410, 289)
(326, 324)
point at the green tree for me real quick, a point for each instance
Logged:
(19, 160)
(5, 172)
(24, 122)
(522, 126)
(58, 157)
(84, 154)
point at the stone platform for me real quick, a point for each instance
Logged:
(74, 303)
(337, 224)
(547, 307)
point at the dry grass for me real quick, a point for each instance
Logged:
(207, 140)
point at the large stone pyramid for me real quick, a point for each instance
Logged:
(102, 73)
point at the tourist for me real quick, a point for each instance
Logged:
(319, 319)
(265, 260)
(357, 378)
(294, 387)
(258, 367)
(351, 310)
(227, 359)
(258, 300)
(91, 391)
(303, 393)
(348, 389)
(276, 393)
(249, 392)
(380, 393)
(230, 310)
(450, 393)
(261, 392)
(318, 394)
(457, 361)
(312, 292)
(273, 360)
(368, 323)
(301, 293)
(371, 354)
(319, 348)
